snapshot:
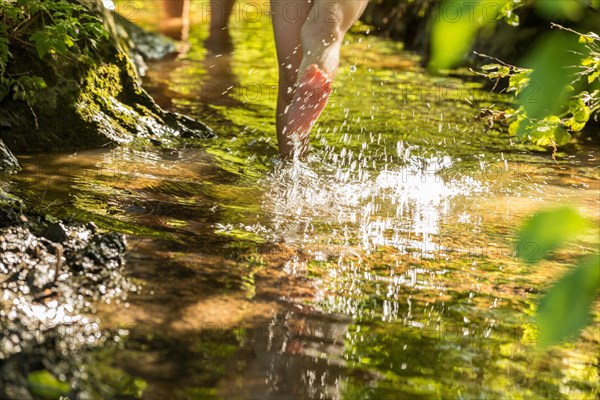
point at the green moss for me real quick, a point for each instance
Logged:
(98, 103)
(104, 81)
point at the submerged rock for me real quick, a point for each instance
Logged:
(91, 98)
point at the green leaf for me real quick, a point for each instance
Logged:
(42, 44)
(26, 87)
(130, 386)
(515, 127)
(591, 37)
(549, 131)
(565, 309)
(560, 8)
(95, 30)
(503, 71)
(455, 25)
(550, 61)
(45, 386)
(546, 231)
(561, 136)
(519, 82)
(581, 115)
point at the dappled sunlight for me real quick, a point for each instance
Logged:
(381, 266)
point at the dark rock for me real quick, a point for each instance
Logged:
(40, 276)
(142, 44)
(92, 227)
(8, 217)
(56, 233)
(47, 294)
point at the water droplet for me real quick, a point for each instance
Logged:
(353, 69)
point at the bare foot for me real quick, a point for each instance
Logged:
(310, 98)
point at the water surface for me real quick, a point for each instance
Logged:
(381, 268)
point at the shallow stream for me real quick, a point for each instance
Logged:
(382, 268)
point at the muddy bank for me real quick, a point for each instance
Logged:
(91, 97)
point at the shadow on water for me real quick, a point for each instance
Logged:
(381, 268)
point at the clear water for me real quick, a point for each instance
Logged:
(381, 268)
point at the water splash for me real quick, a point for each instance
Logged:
(400, 207)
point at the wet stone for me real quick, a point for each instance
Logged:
(51, 274)
(56, 232)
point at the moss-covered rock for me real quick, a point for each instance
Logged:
(91, 98)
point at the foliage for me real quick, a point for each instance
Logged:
(564, 310)
(45, 386)
(55, 27)
(546, 231)
(456, 26)
(553, 102)
(558, 91)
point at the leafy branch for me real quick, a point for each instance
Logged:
(55, 27)
(575, 113)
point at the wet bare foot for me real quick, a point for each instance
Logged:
(310, 98)
(312, 94)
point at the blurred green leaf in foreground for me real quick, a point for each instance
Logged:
(565, 309)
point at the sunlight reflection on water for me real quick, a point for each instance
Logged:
(383, 209)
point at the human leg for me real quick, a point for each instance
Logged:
(288, 18)
(220, 12)
(173, 8)
(321, 37)
(175, 22)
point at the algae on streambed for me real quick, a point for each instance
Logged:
(382, 268)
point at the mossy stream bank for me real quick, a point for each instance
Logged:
(91, 98)
(53, 271)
